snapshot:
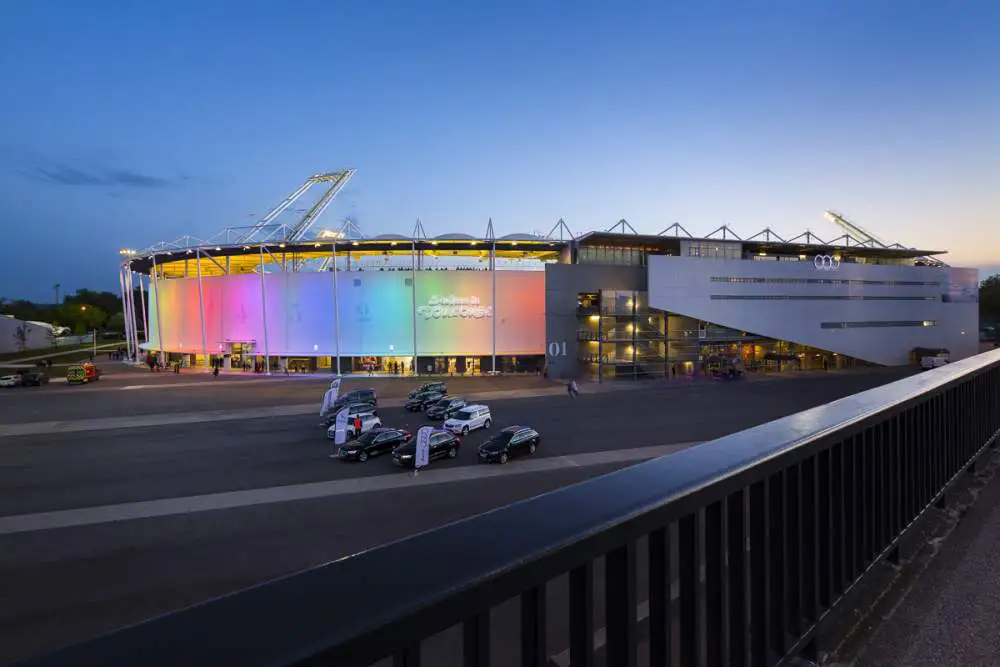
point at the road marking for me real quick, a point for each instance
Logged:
(86, 516)
(261, 412)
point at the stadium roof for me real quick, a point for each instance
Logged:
(350, 239)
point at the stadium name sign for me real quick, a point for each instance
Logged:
(448, 307)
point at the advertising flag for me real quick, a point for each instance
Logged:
(340, 430)
(423, 447)
(330, 397)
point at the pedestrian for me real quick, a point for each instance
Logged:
(357, 425)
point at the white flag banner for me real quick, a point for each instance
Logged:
(423, 447)
(340, 427)
(330, 397)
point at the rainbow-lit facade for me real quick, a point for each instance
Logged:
(453, 303)
(355, 313)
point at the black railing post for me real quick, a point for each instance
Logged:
(476, 641)
(581, 615)
(659, 599)
(620, 605)
(533, 633)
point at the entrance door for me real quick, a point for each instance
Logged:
(472, 366)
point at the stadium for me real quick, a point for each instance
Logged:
(285, 297)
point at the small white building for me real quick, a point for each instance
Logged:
(16, 334)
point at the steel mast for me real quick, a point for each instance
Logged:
(336, 179)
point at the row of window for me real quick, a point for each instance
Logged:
(813, 297)
(743, 280)
(877, 324)
(611, 255)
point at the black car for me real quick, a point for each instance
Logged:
(442, 445)
(439, 387)
(420, 401)
(373, 443)
(356, 396)
(352, 409)
(512, 441)
(34, 378)
(445, 407)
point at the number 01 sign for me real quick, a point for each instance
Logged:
(557, 349)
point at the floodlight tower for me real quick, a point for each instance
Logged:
(336, 180)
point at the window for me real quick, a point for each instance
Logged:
(816, 297)
(710, 249)
(743, 280)
(877, 324)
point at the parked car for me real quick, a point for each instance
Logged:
(356, 396)
(445, 407)
(442, 445)
(34, 378)
(352, 409)
(422, 400)
(10, 380)
(511, 441)
(439, 387)
(469, 418)
(373, 443)
(368, 423)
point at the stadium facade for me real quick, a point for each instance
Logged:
(611, 304)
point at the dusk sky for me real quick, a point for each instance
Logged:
(126, 123)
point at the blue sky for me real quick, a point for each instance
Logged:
(126, 123)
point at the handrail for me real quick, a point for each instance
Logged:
(361, 608)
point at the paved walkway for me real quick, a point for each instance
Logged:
(219, 501)
(950, 617)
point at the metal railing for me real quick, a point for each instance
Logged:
(749, 542)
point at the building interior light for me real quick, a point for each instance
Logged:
(281, 245)
(802, 256)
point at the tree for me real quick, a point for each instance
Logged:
(116, 323)
(21, 338)
(989, 299)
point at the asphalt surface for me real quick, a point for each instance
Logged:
(59, 586)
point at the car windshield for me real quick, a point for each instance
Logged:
(463, 415)
(503, 436)
(443, 403)
(369, 437)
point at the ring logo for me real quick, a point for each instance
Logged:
(826, 263)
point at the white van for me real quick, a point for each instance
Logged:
(470, 418)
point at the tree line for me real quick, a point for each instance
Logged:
(989, 300)
(83, 311)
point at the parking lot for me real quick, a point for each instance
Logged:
(145, 493)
